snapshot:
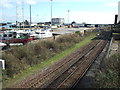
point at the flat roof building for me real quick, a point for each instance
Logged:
(58, 21)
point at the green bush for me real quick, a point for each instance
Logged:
(109, 74)
(70, 38)
(13, 65)
(77, 32)
(21, 57)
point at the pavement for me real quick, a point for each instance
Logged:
(114, 48)
(65, 30)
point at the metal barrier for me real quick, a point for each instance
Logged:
(0, 76)
(109, 47)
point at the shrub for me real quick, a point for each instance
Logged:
(109, 74)
(71, 38)
(19, 52)
(51, 45)
(20, 57)
(77, 32)
(13, 65)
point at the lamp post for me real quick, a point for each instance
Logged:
(16, 16)
(30, 16)
(37, 20)
(23, 13)
(68, 16)
(51, 13)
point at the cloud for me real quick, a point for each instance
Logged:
(92, 17)
(63, 4)
(111, 4)
(77, 0)
(19, 2)
(9, 3)
(34, 1)
(31, 1)
(0, 16)
(5, 4)
(61, 0)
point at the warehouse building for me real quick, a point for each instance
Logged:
(58, 21)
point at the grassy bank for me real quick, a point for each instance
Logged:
(54, 52)
(109, 75)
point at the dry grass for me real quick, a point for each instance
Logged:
(19, 58)
(108, 76)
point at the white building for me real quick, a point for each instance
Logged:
(58, 21)
(118, 11)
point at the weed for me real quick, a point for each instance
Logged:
(108, 77)
(19, 58)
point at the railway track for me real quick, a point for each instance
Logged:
(73, 74)
(67, 71)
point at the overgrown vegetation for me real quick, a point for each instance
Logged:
(23, 57)
(109, 75)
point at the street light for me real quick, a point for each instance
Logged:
(51, 13)
(37, 20)
(23, 12)
(30, 16)
(68, 16)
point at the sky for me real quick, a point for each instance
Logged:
(88, 11)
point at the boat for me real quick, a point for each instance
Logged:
(16, 36)
(43, 33)
(13, 37)
(2, 45)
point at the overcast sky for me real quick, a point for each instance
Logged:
(89, 11)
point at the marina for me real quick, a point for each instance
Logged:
(24, 35)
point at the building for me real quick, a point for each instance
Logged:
(116, 17)
(118, 11)
(58, 21)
